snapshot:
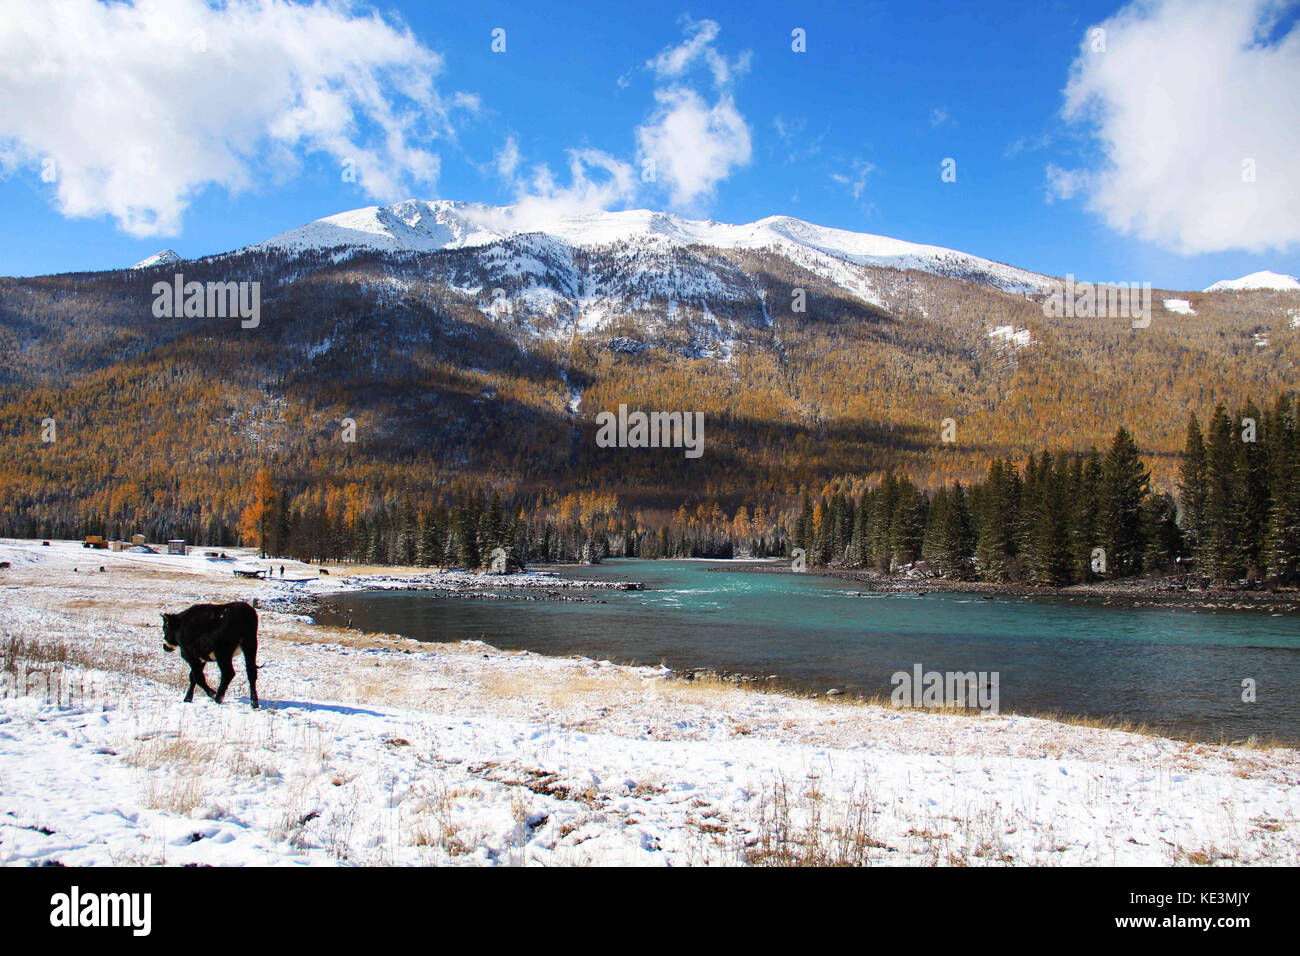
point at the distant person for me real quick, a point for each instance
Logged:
(282, 570)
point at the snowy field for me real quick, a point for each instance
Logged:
(373, 749)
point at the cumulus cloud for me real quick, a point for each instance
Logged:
(1189, 100)
(137, 107)
(692, 143)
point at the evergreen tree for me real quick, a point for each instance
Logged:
(952, 538)
(880, 539)
(1049, 552)
(1084, 519)
(857, 556)
(1249, 500)
(1125, 482)
(1220, 544)
(908, 525)
(1164, 541)
(1284, 519)
(1193, 489)
(802, 537)
(466, 536)
(995, 519)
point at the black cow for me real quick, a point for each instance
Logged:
(214, 632)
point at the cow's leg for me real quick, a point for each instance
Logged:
(196, 678)
(227, 675)
(189, 695)
(250, 668)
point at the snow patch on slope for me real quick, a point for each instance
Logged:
(1010, 335)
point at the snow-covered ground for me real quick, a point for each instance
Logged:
(1010, 335)
(371, 749)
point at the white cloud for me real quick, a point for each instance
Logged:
(693, 144)
(1029, 142)
(939, 116)
(142, 105)
(1067, 183)
(507, 160)
(539, 199)
(674, 62)
(1185, 92)
(856, 179)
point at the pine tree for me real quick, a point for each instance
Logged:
(1193, 489)
(880, 537)
(995, 518)
(466, 536)
(1164, 542)
(1220, 545)
(802, 537)
(932, 544)
(1284, 519)
(1049, 553)
(1125, 482)
(1249, 501)
(908, 525)
(857, 556)
(954, 540)
(1084, 517)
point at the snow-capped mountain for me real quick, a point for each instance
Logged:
(165, 258)
(1257, 280)
(421, 226)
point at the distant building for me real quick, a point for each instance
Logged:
(137, 539)
(176, 546)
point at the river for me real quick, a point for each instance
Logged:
(1179, 670)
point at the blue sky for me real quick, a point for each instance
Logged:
(851, 133)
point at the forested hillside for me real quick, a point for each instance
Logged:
(477, 373)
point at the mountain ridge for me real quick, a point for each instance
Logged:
(415, 226)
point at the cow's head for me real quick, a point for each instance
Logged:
(169, 632)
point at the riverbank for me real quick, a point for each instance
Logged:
(373, 749)
(1136, 592)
